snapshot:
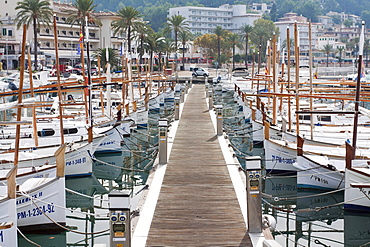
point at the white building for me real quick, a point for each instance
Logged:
(303, 30)
(68, 36)
(204, 20)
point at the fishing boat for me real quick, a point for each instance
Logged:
(40, 202)
(8, 209)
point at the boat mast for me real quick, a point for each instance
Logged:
(296, 51)
(288, 67)
(310, 71)
(20, 95)
(34, 120)
(358, 86)
(58, 81)
(90, 112)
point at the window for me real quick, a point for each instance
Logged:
(64, 32)
(47, 44)
(71, 33)
(10, 32)
(47, 30)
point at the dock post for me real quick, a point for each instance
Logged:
(253, 169)
(162, 152)
(210, 100)
(119, 218)
(206, 88)
(177, 108)
(219, 119)
(186, 87)
(182, 94)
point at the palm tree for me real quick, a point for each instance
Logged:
(37, 12)
(113, 57)
(85, 8)
(219, 31)
(176, 23)
(184, 37)
(129, 20)
(246, 30)
(328, 49)
(168, 47)
(141, 32)
(154, 42)
(340, 49)
(234, 40)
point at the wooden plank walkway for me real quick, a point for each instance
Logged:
(197, 205)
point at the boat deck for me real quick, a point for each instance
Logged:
(197, 205)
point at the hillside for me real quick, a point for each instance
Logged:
(155, 11)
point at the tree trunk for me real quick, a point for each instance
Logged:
(175, 50)
(129, 39)
(246, 51)
(233, 57)
(183, 56)
(218, 51)
(327, 59)
(35, 43)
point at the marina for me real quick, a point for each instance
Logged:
(133, 146)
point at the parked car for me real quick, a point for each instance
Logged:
(200, 72)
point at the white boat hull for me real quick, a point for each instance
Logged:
(48, 198)
(314, 175)
(8, 237)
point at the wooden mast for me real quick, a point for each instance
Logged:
(358, 88)
(288, 67)
(58, 81)
(310, 71)
(20, 95)
(274, 81)
(296, 53)
(34, 120)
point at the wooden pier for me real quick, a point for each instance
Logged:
(197, 205)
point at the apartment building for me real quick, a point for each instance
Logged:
(68, 36)
(203, 20)
(289, 20)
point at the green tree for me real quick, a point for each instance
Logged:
(220, 32)
(176, 24)
(310, 9)
(85, 8)
(129, 20)
(208, 43)
(168, 48)
(262, 32)
(286, 7)
(328, 49)
(366, 50)
(154, 42)
(184, 36)
(37, 12)
(234, 40)
(141, 32)
(113, 57)
(365, 16)
(336, 19)
(245, 31)
(340, 50)
(273, 12)
(347, 23)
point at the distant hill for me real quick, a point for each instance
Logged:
(155, 11)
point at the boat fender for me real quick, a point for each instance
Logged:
(70, 131)
(46, 132)
(268, 221)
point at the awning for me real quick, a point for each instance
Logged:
(64, 54)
